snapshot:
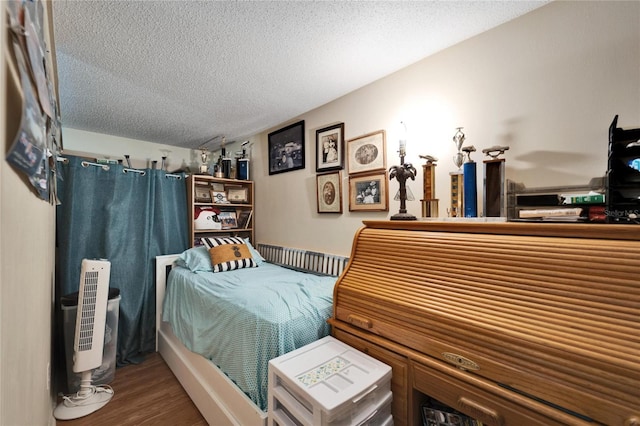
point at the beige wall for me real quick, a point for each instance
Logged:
(26, 282)
(142, 153)
(547, 84)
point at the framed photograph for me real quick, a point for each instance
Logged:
(217, 186)
(330, 148)
(219, 197)
(329, 192)
(286, 149)
(202, 193)
(238, 195)
(367, 153)
(369, 192)
(228, 219)
(244, 218)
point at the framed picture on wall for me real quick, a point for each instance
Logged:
(368, 192)
(367, 152)
(286, 149)
(330, 148)
(329, 192)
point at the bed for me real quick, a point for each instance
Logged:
(251, 316)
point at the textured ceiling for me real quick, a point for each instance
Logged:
(185, 73)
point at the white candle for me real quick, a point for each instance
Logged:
(403, 139)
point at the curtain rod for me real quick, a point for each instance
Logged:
(89, 163)
(106, 167)
(140, 172)
(143, 172)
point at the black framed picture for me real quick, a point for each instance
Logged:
(330, 148)
(329, 192)
(286, 149)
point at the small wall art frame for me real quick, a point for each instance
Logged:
(229, 219)
(330, 148)
(219, 197)
(367, 153)
(329, 192)
(286, 148)
(202, 193)
(369, 192)
(238, 195)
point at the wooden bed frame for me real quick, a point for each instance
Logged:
(219, 400)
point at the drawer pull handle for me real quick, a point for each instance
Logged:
(479, 411)
(359, 321)
(367, 392)
(460, 361)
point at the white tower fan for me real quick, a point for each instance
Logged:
(88, 341)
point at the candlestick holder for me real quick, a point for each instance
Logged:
(403, 172)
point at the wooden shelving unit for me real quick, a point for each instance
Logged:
(239, 197)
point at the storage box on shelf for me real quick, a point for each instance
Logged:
(329, 383)
(233, 202)
(574, 203)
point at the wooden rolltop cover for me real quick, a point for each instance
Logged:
(549, 310)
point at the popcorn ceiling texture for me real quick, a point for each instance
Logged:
(183, 72)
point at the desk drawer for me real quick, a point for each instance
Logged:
(488, 402)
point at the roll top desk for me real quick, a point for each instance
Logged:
(510, 323)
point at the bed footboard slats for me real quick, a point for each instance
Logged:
(304, 260)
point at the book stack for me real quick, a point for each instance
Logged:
(562, 207)
(591, 198)
(564, 214)
(435, 413)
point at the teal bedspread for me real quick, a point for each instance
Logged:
(241, 319)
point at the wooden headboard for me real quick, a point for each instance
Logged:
(546, 315)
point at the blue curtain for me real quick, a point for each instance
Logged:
(128, 218)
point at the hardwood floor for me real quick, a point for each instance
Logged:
(144, 394)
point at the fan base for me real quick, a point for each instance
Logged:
(75, 407)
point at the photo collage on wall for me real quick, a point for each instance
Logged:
(365, 157)
(37, 139)
(368, 177)
(329, 163)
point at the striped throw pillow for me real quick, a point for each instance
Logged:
(228, 253)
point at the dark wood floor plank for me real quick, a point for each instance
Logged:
(144, 394)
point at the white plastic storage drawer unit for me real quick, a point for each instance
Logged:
(328, 383)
